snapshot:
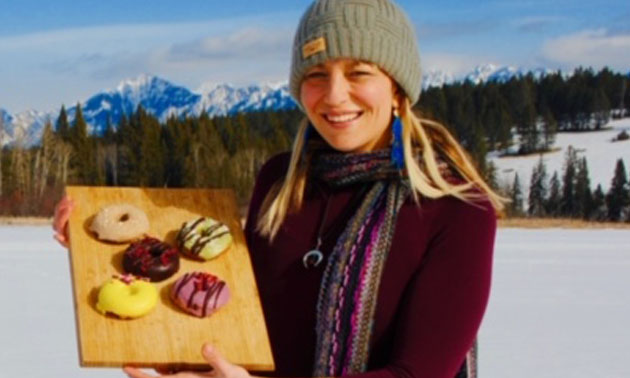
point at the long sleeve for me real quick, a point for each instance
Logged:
(444, 302)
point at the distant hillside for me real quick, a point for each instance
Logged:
(597, 146)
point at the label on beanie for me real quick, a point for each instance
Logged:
(313, 47)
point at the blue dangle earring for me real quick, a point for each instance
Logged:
(397, 155)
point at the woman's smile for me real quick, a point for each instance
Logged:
(342, 119)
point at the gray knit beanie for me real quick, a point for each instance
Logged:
(376, 31)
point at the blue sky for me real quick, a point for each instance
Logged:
(60, 52)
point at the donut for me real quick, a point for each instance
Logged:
(120, 223)
(127, 297)
(199, 293)
(151, 258)
(204, 238)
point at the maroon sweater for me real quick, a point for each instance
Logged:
(433, 291)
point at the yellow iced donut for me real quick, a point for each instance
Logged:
(127, 297)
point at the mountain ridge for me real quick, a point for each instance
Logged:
(163, 99)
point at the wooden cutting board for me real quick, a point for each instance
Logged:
(167, 335)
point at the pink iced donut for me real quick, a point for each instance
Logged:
(199, 293)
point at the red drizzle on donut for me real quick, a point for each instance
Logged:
(202, 282)
(151, 258)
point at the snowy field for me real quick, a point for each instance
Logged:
(560, 306)
(601, 155)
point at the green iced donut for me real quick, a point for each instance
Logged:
(204, 238)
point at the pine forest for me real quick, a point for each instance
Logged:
(517, 117)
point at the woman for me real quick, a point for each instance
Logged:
(372, 241)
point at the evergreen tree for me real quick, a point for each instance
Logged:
(516, 197)
(176, 139)
(433, 104)
(128, 151)
(505, 135)
(62, 126)
(525, 111)
(538, 190)
(618, 197)
(568, 200)
(550, 128)
(491, 175)
(583, 194)
(599, 211)
(83, 159)
(600, 109)
(555, 196)
(79, 127)
(479, 149)
(552, 207)
(151, 151)
(280, 139)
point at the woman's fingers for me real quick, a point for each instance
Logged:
(137, 373)
(62, 213)
(61, 239)
(60, 221)
(220, 366)
(164, 370)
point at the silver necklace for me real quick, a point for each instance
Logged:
(314, 257)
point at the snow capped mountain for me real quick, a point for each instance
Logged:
(164, 99)
(5, 118)
(157, 96)
(24, 128)
(225, 99)
(436, 78)
(6, 122)
(481, 74)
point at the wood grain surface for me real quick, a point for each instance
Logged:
(167, 336)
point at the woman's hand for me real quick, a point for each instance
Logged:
(221, 368)
(60, 221)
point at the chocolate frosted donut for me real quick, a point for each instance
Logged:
(200, 293)
(151, 258)
(204, 238)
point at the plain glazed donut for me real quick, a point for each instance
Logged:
(120, 223)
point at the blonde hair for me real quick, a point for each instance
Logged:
(431, 138)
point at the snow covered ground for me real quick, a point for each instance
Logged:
(601, 155)
(560, 306)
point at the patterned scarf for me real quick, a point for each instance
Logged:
(348, 292)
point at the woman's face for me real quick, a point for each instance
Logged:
(350, 104)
